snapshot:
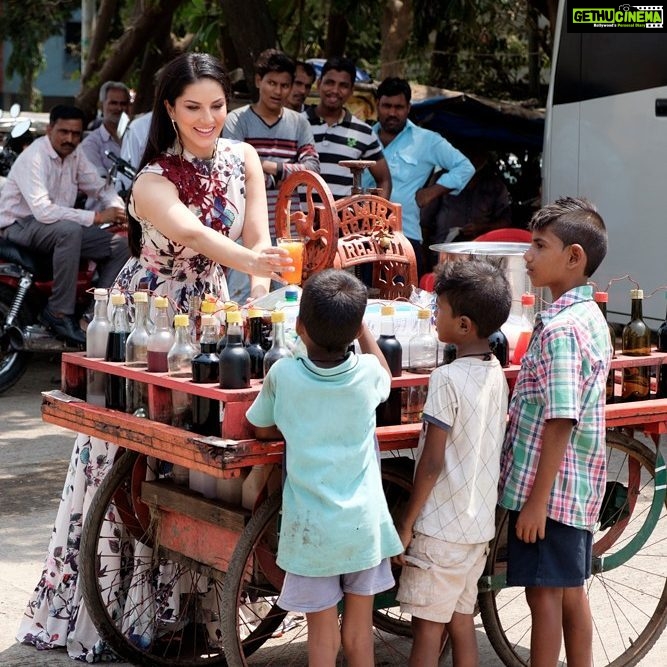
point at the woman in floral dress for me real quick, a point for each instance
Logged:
(195, 196)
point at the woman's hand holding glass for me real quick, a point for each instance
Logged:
(271, 262)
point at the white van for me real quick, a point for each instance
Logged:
(606, 139)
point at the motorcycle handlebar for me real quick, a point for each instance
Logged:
(123, 166)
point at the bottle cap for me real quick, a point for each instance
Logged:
(277, 316)
(208, 321)
(161, 302)
(291, 295)
(181, 320)
(636, 293)
(234, 317)
(255, 312)
(117, 299)
(140, 297)
(208, 307)
(528, 299)
(423, 314)
(100, 293)
(387, 310)
(601, 297)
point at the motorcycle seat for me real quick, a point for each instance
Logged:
(36, 263)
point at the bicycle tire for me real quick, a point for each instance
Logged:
(637, 616)
(152, 608)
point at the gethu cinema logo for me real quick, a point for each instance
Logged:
(626, 14)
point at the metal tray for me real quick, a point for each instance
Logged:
(496, 248)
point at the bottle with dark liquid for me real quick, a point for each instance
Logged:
(278, 348)
(602, 298)
(161, 339)
(234, 358)
(120, 330)
(205, 369)
(500, 347)
(254, 344)
(636, 341)
(662, 347)
(389, 412)
(136, 349)
(97, 336)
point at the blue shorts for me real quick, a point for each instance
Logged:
(312, 594)
(561, 560)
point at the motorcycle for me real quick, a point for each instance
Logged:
(26, 282)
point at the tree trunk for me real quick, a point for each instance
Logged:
(441, 59)
(252, 31)
(337, 30)
(396, 28)
(126, 49)
(99, 40)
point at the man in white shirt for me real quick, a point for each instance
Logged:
(37, 212)
(114, 100)
(133, 146)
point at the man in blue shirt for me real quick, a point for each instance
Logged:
(413, 153)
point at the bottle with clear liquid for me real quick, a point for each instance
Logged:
(526, 327)
(389, 412)
(234, 358)
(500, 347)
(120, 330)
(602, 298)
(161, 339)
(423, 346)
(205, 369)
(97, 335)
(662, 347)
(179, 363)
(194, 316)
(254, 344)
(278, 348)
(636, 341)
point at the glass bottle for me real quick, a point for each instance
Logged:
(526, 327)
(662, 347)
(96, 347)
(179, 363)
(120, 330)
(136, 347)
(636, 341)
(500, 347)
(194, 318)
(602, 298)
(205, 369)
(234, 358)
(278, 348)
(254, 344)
(389, 412)
(161, 339)
(423, 346)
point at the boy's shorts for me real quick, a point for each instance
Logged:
(312, 594)
(561, 560)
(441, 578)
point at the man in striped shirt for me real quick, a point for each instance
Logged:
(339, 135)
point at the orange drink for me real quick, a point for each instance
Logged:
(294, 248)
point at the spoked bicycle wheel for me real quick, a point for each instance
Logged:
(152, 607)
(628, 589)
(256, 631)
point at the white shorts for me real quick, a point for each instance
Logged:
(441, 578)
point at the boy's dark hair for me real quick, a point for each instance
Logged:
(477, 289)
(340, 64)
(575, 220)
(332, 308)
(307, 68)
(393, 86)
(272, 60)
(65, 112)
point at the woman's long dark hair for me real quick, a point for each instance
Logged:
(184, 70)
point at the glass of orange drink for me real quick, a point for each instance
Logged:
(294, 247)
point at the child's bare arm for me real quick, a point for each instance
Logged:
(429, 467)
(268, 433)
(369, 345)
(532, 519)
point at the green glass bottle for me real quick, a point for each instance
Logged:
(636, 340)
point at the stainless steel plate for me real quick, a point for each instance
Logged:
(481, 248)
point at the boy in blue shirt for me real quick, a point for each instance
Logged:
(336, 533)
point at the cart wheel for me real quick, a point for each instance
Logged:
(152, 608)
(628, 589)
(251, 616)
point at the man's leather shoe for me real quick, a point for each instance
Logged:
(63, 326)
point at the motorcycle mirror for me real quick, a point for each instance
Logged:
(122, 124)
(15, 110)
(20, 128)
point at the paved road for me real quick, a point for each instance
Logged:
(33, 461)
